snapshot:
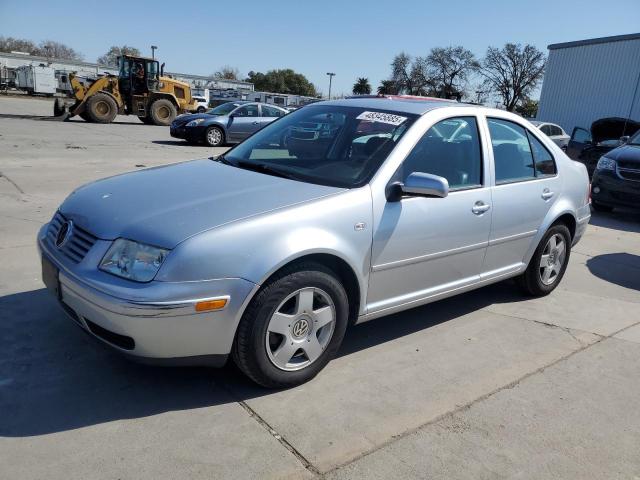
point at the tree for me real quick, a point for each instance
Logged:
(10, 44)
(282, 81)
(53, 49)
(449, 69)
(48, 48)
(362, 86)
(513, 72)
(527, 108)
(228, 73)
(111, 57)
(411, 76)
(387, 87)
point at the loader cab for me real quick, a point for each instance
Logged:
(138, 75)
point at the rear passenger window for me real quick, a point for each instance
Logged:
(450, 149)
(545, 166)
(512, 155)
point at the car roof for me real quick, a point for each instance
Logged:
(397, 103)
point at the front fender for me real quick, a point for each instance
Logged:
(255, 248)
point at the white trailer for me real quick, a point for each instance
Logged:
(36, 79)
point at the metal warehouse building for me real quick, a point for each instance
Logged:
(591, 79)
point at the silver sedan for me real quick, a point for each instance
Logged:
(335, 214)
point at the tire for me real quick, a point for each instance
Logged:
(58, 108)
(598, 207)
(101, 108)
(146, 120)
(162, 112)
(201, 110)
(84, 116)
(278, 360)
(543, 274)
(214, 136)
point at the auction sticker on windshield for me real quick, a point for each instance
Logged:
(389, 118)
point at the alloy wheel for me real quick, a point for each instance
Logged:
(214, 136)
(552, 259)
(300, 329)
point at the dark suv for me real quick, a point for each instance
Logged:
(616, 180)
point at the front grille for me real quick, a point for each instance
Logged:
(626, 197)
(628, 164)
(629, 174)
(77, 246)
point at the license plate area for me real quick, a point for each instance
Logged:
(51, 277)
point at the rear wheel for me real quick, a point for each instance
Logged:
(293, 327)
(101, 108)
(162, 112)
(201, 110)
(549, 262)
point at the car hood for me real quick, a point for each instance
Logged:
(165, 205)
(612, 128)
(626, 153)
(182, 119)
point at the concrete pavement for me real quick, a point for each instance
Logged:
(485, 385)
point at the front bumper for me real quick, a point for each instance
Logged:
(151, 324)
(192, 134)
(607, 188)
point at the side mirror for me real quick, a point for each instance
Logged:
(624, 139)
(419, 184)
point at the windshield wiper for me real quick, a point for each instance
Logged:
(265, 168)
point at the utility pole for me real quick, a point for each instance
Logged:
(331, 75)
(153, 51)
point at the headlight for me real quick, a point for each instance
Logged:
(606, 163)
(195, 122)
(132, 260)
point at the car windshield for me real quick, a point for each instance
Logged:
(635, 140)
(325, 144)
(223, 109)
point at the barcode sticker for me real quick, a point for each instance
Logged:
(389, 118)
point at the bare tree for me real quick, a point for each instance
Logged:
(48, 48)
(449, 68)
(410, 76)
(227, 73)
(111, 57)
(52, 49)
(513, 72)
(10, 44)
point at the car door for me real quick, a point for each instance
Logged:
(580, 139)
(244, 121)
(423, 247)
(268, 114)
(526, 186)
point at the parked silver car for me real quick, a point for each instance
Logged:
(335, 214)
(554, 132)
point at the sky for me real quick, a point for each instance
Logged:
(352, 38)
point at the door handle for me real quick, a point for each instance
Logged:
(480, 207)
(255, 123)
(546, 194)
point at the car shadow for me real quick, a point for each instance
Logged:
(623, 220)
(603, 266)
(176, 143)
(54, 377)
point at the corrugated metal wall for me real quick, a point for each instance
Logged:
(587, 82)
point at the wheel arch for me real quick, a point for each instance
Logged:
(338, 265)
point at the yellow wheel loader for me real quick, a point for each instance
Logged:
(139, 89)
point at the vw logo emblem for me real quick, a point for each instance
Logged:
(64, 234)
(300, 328)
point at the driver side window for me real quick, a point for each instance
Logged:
(449, 149)
(248, 111)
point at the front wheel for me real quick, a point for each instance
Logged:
(549, 262)
(162, 112)
(214, 136)
(293, 327)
